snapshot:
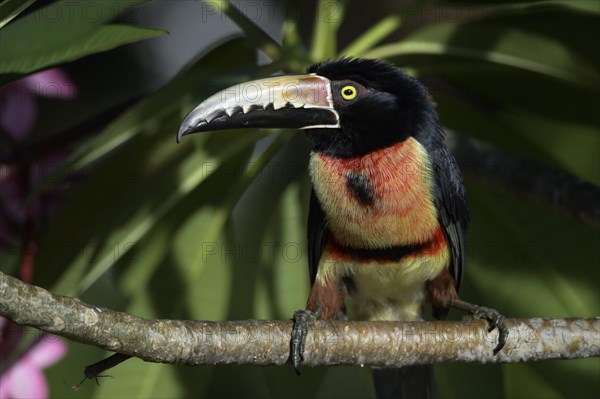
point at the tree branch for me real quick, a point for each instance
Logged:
(267, 342)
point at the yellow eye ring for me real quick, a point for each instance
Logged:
(348, 92)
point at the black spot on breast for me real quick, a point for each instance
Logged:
(349, 284)
(360, 187)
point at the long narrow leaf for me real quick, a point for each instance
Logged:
(256, 36)
(374, 35)
(137, 232)
(515, 50)
(222, 213)
(166, 100)
(17, 58)
(328, 19)
(10, 9)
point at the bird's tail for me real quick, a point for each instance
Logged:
(410, 382)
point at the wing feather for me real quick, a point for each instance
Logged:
(451, 203)
(317, 233)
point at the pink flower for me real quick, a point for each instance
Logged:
(25, 379)
(18, 115)
(18, 107)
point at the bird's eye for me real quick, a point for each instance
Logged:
(348, 92)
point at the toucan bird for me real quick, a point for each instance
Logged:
(388, 212)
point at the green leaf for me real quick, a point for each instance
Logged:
(495, 44)
(69, 371)
(571, 146)
(169, 99)
(565, 145)
(53, 30)
(157, 284)
(130, 206)
(17, 58)
(10, 9)
(176, 276)
(587, 6)
(139, 379)
(283, 277)
(130, 184)
(490, 382)
(390, 23)
(523, 381)
(549, 261)
(374, 35)
(328, 18)
(222, 212)
(255, 35)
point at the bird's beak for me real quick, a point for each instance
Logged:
(294, 101)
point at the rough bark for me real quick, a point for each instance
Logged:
(266, 342)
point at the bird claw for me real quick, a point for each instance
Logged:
(495, 320)
(302, 319)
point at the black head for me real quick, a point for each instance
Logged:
(378, 105)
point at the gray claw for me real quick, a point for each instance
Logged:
(495, 320)
(302, 319)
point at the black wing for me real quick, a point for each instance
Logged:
(451, 203)
(317, 232)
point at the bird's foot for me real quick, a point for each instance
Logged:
(302, 319)
(495, 319)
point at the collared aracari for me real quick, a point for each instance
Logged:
(388, 211)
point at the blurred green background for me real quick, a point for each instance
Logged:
(214, 228)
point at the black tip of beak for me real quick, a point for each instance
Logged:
(183, 130)
(189, 126)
